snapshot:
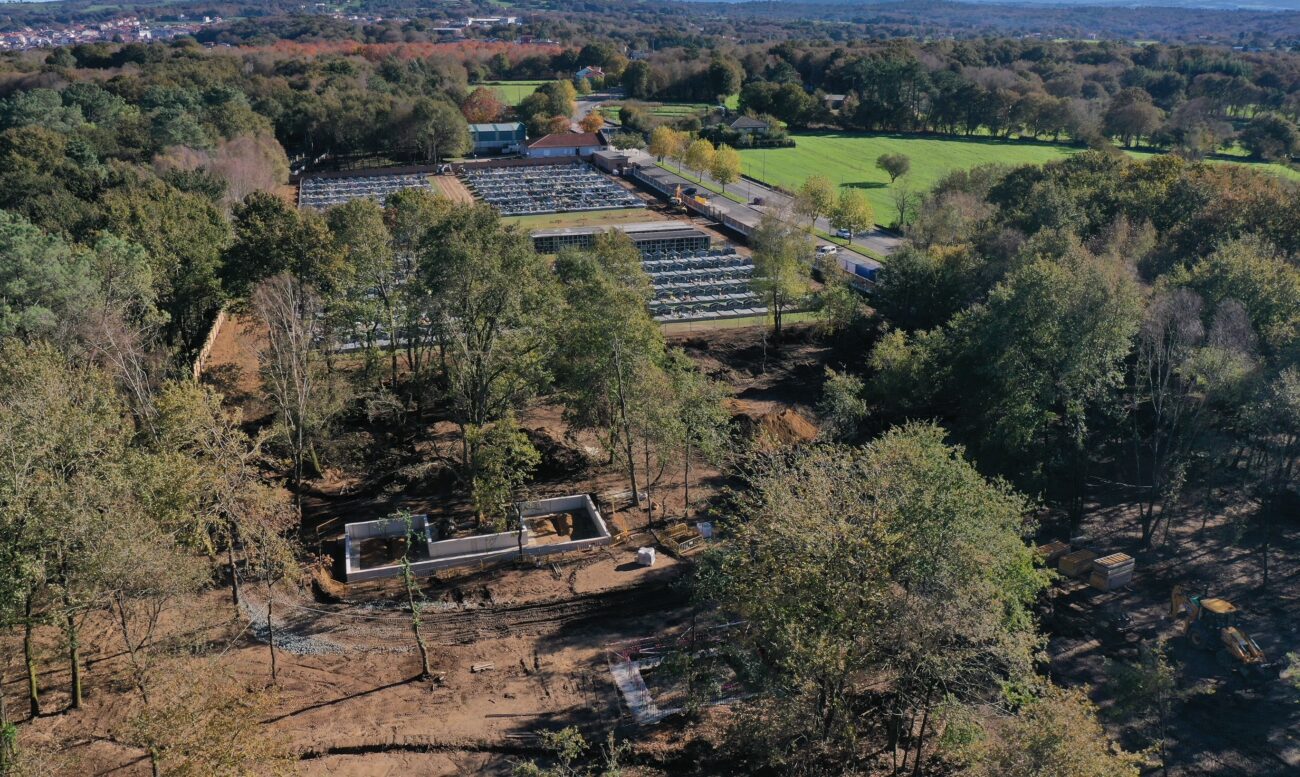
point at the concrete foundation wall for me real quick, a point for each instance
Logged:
(354, 533)
(467, 551)
(479, 543)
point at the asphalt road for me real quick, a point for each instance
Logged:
(878, 241)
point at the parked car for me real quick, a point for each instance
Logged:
(827, 250)
(845, 234)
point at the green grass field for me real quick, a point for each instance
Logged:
(513, 92)
(662, 110)
(849, 159)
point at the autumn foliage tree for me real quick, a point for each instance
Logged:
(482, 106)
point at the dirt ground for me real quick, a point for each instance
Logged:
(1225, 725)
(452, 188)
(347, 700)
(232, 365)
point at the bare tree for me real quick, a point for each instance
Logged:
(414, 598)
(905, 201)
(291, 365)
(1171, 332)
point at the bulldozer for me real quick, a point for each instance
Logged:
(1211, 624)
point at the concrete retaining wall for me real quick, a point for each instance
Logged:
(355, 533)
(578, 503)
(479, 543)
(466, 551)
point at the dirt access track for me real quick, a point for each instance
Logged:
(349, 701)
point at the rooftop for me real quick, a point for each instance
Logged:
(645, 230)
(567, 140)
(748, 122)
(509, 126)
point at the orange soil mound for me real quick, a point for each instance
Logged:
(787, 427)
(771, 425)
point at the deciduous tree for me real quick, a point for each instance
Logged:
(665, 142)
(725, 166)
(815, 198)
(698, 156)
(894, 165)
(781, 266)
(850, 564)
(852, 211)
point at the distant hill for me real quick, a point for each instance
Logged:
(1220, 5)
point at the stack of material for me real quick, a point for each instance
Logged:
(1077, 564)
(645, 557)
(1111, 572)
(1053, 550)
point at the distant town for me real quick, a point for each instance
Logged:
(127, 29)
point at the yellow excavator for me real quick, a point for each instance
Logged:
(1211, 623)
(675, 202)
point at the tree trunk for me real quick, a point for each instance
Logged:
(234, 568)
(29, 658)
(425, 671)
(626, 423)
(686, 482)
(6, 733)
(132, 651)
(392, 347)
(920, 737)
(270, 632)
(649, 497)
(74, 654)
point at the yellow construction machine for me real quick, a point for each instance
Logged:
(675, 202)
(1211, 624)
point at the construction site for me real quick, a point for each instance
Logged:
(576, 609)
(565, 619)
(583, 621)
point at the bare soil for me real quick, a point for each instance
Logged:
(349, 703)
(232, 367)
(1226, 725)
(452, 188)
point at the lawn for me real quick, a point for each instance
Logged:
(849, 159)
(591, 218)
(513, 92)
(668, 110)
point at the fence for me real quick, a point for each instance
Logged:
(201, 361)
